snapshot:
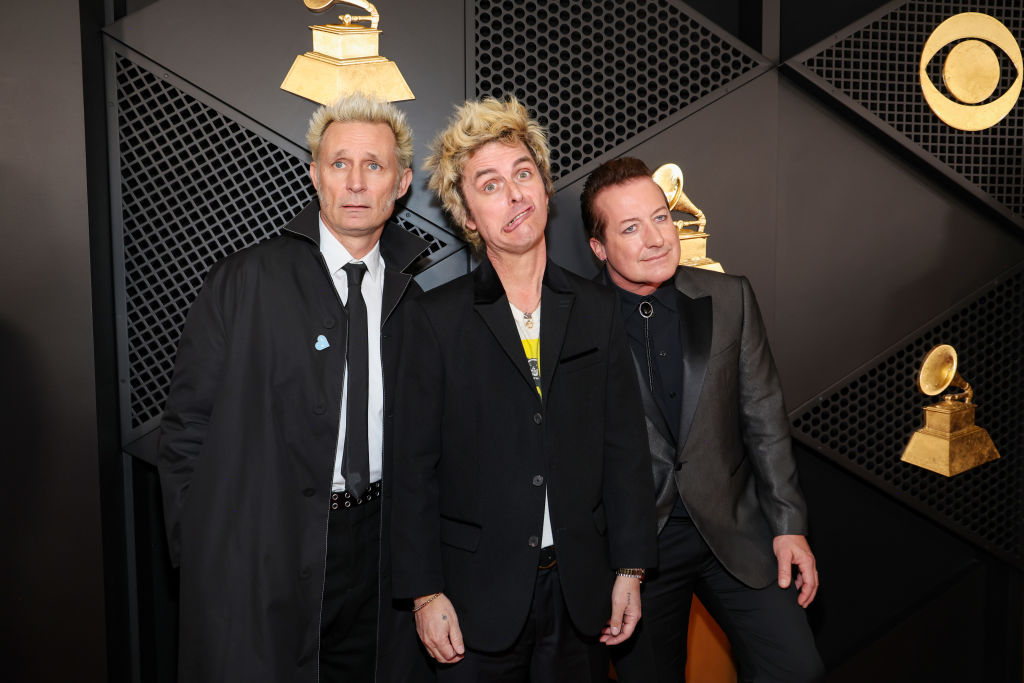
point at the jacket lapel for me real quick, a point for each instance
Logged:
(491, 304)
(655, 418)
(695, 313)
(556, 305)
(400, 249)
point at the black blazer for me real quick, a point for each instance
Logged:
(476, 447)
(246, 457)
(733, 465)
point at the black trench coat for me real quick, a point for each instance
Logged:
(246, 458)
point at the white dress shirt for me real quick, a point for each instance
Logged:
(337, 257)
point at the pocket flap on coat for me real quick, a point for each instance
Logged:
(460, 534)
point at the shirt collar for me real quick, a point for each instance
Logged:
(337, 256)
(664, 295)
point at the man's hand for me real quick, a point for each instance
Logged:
(792, 549)
(625, 610)
(438, 628)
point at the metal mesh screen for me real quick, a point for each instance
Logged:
(195, 186)
(598, 73)
(868, 421)
(440, 243)
(877, 67)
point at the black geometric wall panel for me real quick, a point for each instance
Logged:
(874, 71)
(440, 243)
(195, 186)
(866, 422)
(599, 73)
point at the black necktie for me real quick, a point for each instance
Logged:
(355, 462)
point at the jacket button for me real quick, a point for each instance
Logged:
(538, 480)
(537, 418)
(308, 493)
(679, 466)
(533, 542)
(318, 409)
(305, 573)
(328, 323)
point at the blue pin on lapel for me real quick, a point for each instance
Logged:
(321, 343)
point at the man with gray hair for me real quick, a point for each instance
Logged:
(275, 445)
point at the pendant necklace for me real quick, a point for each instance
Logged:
(646, 311)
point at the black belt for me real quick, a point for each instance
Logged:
(342, 500)
(547, 558)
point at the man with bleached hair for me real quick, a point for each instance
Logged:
(275, 445)
(524, 512)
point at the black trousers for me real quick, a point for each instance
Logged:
(348, 618)
(548, 650)
(767, 629)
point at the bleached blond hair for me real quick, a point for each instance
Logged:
(361, 108)
(474, 124)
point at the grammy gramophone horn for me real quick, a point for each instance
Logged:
(938, 371)
(669, 178)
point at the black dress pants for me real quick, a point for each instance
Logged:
(549, 649)
(767, 629)
(348, 618)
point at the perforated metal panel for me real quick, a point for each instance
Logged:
(867, 422)
(876, 68)
(598, 73)
(195, 186)
(441, 243)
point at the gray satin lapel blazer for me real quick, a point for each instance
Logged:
(733, 465)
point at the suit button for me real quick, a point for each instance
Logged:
(533, 542)
(538, 480)
(679, 466)
(305, 573)
(319, 409)
(537, 418)
(308, 493)
(328, 323)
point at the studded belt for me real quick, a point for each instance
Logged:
(342, 500)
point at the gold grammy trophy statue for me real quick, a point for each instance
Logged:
(345, 59)
(692, 243)
(950, 442)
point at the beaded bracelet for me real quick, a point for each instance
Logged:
(426, 602)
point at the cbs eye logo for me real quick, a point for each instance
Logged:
(971, 71)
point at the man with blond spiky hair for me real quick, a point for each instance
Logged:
(524, 508)
(275, 445)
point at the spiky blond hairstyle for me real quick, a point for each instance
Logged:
(474, 124)
(360, 108)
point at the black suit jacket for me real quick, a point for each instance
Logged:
(733, 465)
(246, 457)
(476, 447)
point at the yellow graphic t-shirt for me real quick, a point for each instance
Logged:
(528, 325)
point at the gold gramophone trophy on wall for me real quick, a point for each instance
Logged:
(345, 59)
(692, 243)
(950, 442)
